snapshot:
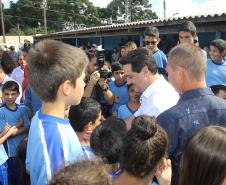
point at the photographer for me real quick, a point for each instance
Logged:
(97, 82)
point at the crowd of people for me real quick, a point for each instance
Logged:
(68, 116)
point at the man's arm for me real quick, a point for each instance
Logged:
(95, 76)
(12, 131)
(108, 95)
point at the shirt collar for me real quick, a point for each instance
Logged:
(152, 88)
(194, 93)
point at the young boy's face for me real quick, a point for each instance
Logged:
(151, 43)
(119, 76)
(215, 54)
(133, 93)
(186, 37)
(78, 90)
(10, 96)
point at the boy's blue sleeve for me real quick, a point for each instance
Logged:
(2, 119)
(24, 112)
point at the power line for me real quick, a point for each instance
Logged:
(51, 10)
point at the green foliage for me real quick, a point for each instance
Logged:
(68, 14)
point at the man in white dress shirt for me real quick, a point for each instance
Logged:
(157, 94)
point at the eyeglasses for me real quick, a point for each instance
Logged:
(150, 42)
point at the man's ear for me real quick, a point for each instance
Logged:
(66, 87)
(89, 126)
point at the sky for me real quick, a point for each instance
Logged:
(176, 7)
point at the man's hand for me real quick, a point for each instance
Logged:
(94, 77)
(164, 173)
(103, 83)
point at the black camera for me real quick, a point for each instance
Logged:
(104, 73)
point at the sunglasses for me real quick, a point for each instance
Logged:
(150, 42)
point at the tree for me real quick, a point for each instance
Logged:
(139, 10)
(61, 14)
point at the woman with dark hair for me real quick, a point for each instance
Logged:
(144, 154)
(204, 159)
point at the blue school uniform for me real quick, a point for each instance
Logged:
(52, 144)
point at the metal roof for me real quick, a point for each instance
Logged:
(138, 24)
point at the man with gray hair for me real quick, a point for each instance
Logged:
(197, 107)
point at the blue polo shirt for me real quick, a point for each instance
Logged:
(121, 92)
(12, 117)
(124, 112)
(215, 73)
(160, 58)
(52, 144)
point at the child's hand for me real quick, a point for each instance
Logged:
(6, 128)
(164, 173)
(12, 131)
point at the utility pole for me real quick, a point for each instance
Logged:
(2, 20)
(18, 28)
(164, 9)
(44, 13)
(127, 11)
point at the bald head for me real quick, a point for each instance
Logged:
(189, 57)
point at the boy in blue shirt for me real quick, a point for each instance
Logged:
(151, 41)
(118, 87)
(3, 156)
(216, 66)
(56, 74)
(84, 118)
(12, 114)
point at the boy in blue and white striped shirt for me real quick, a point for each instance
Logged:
(56, 74)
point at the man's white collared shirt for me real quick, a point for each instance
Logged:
(157, 98)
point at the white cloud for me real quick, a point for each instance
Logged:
(188, 7)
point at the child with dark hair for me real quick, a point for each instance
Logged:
(219, 90)
(56, 73)
(12, 114)
(203, 161)
(133, 104)
(143, 154)
(187, 32)
(82, 173)
(106, 142)
(118, 87)
(84, 118)
(151, 41)
(7, 63)
(216, 66)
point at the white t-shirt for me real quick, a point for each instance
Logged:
(157, 98)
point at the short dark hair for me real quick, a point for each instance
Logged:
(188, 26)
(220, 44)
(90, 172)
(217, 88)
(140, 58)
(107, 138)
(144, 147)
(203, 161)
(151, 31)
(116, 67)
(91, 54)
(52, 62)
(7, 63)
(11, 85)
(80, 115)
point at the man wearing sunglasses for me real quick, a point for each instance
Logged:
(151, 41)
